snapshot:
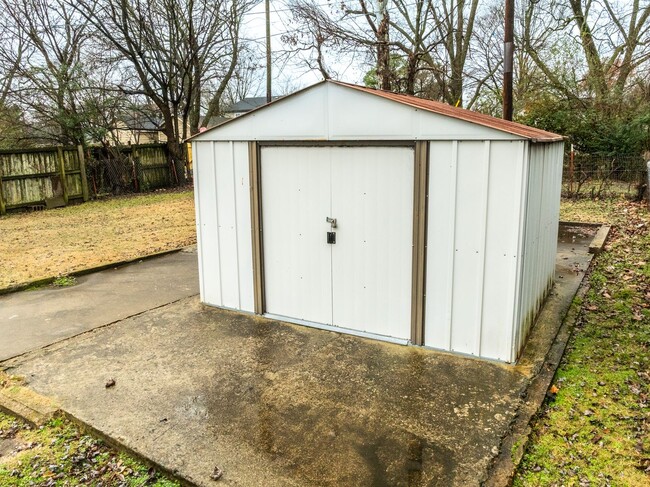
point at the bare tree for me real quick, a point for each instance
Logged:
(385, 31)
(612, 36)
(222, 61)
(454, 21)
(169, 46)
(46, 42)
(12, 50)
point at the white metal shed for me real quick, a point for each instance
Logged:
(380, 215)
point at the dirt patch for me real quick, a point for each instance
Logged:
(57, 242)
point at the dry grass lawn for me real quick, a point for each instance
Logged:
(57, 242)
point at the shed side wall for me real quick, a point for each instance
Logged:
(540, 233)
(223, 224)
(472, 250)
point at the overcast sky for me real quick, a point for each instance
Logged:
(289, 72)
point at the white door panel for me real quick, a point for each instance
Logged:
(372, 199)
(363, 281)
(297, 258)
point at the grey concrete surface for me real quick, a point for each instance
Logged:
(274, 404)
(33, 319)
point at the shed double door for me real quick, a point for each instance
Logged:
(361, 282)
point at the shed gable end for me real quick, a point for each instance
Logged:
(328, 111)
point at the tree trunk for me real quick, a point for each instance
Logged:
(596, 73)
(383, 53)
(412, 69)
(174, 149)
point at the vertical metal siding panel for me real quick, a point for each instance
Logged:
(244, 244)
(532, 216)
(552, 213)
(467, 260)
(440, 244)
(547, 201)
(197, 209)
(218, 228)
(451, 270)
(484, 172)
(226, 221)
(372, 199)
(544, 232)
(543, 251)
(209, 232)
(538, 231)
(523, 167)
(533, 226)
(541, 230)
(536, 227)
(503, 221)
(557, 194)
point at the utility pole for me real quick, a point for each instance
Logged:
(268, 51)
(508, 55)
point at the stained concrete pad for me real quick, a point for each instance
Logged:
(33, 319)
(274, 404)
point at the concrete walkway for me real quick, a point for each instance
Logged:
(33, 319)
(275, 404)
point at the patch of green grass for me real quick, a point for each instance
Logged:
(597, 430)
(36, 287)
(64, 281)
(59, 454)
(132, 200)
(587, 210)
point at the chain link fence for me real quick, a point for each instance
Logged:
(598, 176)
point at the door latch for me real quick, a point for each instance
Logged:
(331, 238)
(331, 221)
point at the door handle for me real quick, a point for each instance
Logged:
(331, 221)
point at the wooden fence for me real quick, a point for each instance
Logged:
(56, 175)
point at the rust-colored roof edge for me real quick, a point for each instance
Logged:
(532, 134)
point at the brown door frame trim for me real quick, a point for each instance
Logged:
(336, 143)
(255, 175)
(420, 188)
(421, 173)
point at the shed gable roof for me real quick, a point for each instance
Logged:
(532, 133)
(333, 110)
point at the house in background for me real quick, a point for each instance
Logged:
(138, 128)
(213, 121)
(246, 105)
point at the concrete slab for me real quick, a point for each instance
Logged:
(276, 404)
(33, 319)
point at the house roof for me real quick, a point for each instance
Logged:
(535, 134)
(142, 122)
(250, 103)
(531, 133)
(213, 121)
